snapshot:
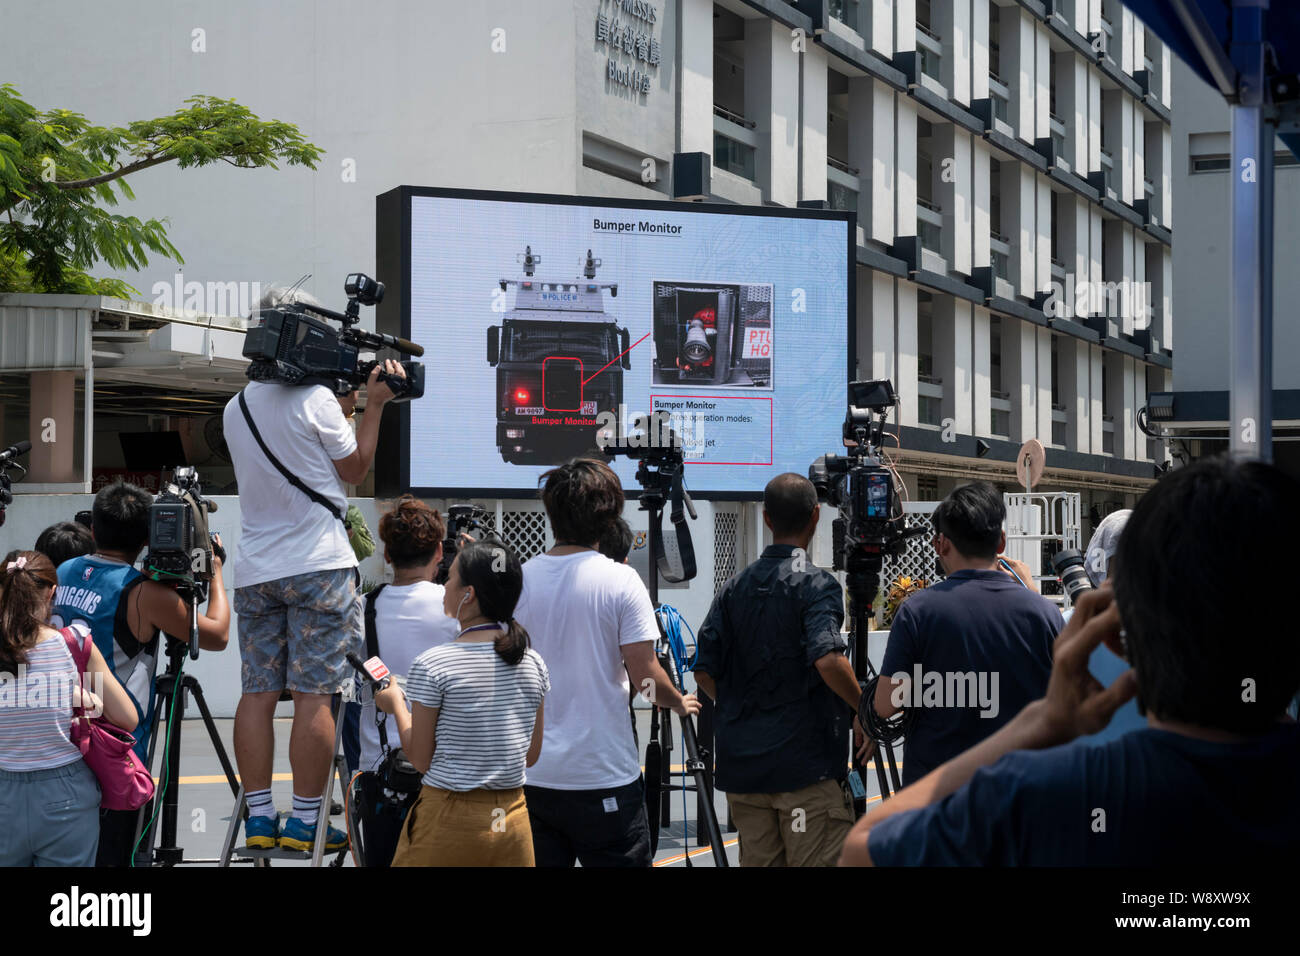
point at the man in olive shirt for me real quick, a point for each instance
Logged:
(771, 654)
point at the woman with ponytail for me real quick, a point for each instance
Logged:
(475, 722)
(49, 798)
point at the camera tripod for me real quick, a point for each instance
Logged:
(697, 762)
(169, 703)
(863, 582)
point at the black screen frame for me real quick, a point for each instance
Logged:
(393, 254)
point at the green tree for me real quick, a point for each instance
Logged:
(58, 172)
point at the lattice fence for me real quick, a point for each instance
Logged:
(918, 560)
(524, 531)
(726, 546)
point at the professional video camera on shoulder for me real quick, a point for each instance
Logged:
(858, 483)
(292, 344)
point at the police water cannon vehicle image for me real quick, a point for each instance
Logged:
(559, 360)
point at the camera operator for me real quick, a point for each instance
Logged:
(298, 584)
(1213, 779)
(592, 623)
(125, 611)
(771, 654)
(978, 634)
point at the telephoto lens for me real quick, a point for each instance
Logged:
(1069, 567)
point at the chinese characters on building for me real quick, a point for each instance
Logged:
(625, 27)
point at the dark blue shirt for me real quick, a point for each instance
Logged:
(983, 645)
(1148, 797)
(779, 726)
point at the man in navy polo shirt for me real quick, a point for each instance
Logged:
(965, 655)
(1214, 777)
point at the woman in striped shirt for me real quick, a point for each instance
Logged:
(49, 799)
(475, 722)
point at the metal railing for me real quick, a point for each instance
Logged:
(730, 117)
(842, 166)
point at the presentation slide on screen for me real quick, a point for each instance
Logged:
(546, 324)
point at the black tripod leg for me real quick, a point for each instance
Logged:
(665, 771)
(653, 791)
(704, 748)
(707, 812)
(893, 768)
(227, 767)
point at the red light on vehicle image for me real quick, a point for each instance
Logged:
(521, 396)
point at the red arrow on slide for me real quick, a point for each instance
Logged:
(615, 358)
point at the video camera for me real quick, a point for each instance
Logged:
(661, 475)
(461, 519)
(859, 484)
(292, 344)
(6, 483)
(181, 548)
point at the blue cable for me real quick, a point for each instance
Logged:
(672, 622)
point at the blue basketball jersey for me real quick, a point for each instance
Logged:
(96, 592)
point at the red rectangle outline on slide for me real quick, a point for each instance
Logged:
(771, 413)
(562, 358)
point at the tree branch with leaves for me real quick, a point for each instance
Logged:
(58, 172)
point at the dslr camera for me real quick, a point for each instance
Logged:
(293, 344)
(461, 519)
(181, 547)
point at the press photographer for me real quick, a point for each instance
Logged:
(297, 587)
(125, 612)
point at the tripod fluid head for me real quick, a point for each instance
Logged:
(661, 474)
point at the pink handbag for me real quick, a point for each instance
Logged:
(124, 782)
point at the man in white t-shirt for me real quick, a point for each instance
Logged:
(592, 622)
(296, 585)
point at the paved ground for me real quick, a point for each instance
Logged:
(205, 802)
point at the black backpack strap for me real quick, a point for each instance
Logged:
(372, 650)
(289, 476)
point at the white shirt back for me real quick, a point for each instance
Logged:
(283, 532)
(408, 621)
(579, 610)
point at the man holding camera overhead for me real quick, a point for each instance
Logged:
(297, 585)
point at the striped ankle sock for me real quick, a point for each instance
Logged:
(260, 803)
(306, 809)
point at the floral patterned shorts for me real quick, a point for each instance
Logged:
(296, 632)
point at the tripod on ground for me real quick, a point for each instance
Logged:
(169, 704)
(863, 581)
(660, 475)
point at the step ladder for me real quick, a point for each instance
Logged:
(262, 858)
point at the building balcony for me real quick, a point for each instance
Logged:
(843, 185)
(929, 228)
(735, 144)
(849, 13)
(929, 50)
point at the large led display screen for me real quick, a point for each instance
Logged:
(550, 323)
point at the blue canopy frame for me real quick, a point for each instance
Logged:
(1250, 51)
